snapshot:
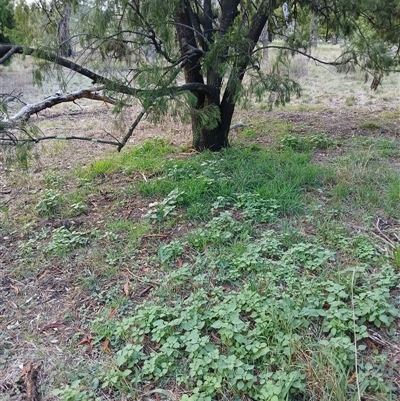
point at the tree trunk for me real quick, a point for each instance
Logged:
(313, 31)
(63, 32)
(213, 139)
(264, 37)
(216, 138)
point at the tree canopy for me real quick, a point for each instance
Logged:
(200, 58)
(6, 20)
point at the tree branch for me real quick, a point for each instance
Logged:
(112, 85)
(29, 109)
(16, 141)
(8, 138)
(317, 60)
(131, 129)
(7, 55)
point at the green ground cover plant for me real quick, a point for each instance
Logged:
(255, 307)
(255, 284)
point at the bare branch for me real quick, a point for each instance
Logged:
(12, 96)
(16, 141)
(131, 129)
(317, 60)
(8, 138)
(29, 109)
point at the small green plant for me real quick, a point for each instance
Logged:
(370, 125)
(304, 144)
(320, 141)
(307, 256)
(74, 392)
(294, 142)
(256, 208)
(169, 252)
(49, 203)
(363, 249)
(76, 209)
(166, 208)
(63, 241)
(54, 180)
(350, 101)
(221, 229)
(221, 202)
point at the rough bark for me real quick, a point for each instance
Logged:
(228, 103)
(205, 138)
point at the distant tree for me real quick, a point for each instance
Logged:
(6, 20)
(63, 30)
(200, 58)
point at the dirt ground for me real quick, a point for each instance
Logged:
(42, 314)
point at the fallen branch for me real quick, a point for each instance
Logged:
(238, 125)
(34, 108)
(8, 53)
(30, 371)
(8, 141)
(8, 137)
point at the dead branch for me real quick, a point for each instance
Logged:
(240, 124)
(34, 108)
(13, 96)
(15, 123)
(7, 125)
(15, 141)
(131, 129)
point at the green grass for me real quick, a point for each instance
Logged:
(202, 179)
(272, 128)
(371, 125)
(368, 182)
(380, 147)
(147, 156)
(132, 231)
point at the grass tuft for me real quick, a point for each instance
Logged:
(146, 157)
(202, 179)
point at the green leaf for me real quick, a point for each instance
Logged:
(167, 393)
